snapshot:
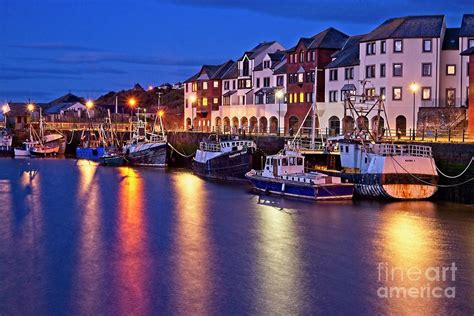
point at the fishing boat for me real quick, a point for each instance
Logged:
(112, 157)
(284, 174)
(379, 166)
(41, 150)
(24, 150)
(224, 158)
(5, 142)
(91, 147)
(146, 148)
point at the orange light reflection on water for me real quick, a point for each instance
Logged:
(408, 241)
(131, 257)
(192, 245)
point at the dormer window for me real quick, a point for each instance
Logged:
(246, 67)
(266, 64)
(300, 77)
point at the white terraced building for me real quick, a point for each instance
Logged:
(398, 53)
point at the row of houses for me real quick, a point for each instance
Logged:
(271, 88)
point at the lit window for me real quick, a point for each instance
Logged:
(300, 77)
(397, 93)
(451, 70)
(216, 100)
(204, 85)
(426, 93)
(301, 97)
(204, 101)
(291, 98)
(216, 84)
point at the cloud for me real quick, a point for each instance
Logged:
(367, 12)
(60, 71)
(54, 47)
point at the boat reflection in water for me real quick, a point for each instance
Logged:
(410, 238)
(191, 247)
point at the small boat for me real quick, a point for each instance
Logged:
(225, 158)
(44, 150)
(112, 158)
(145, 148)
(24, 151)
(284, 175)
(5, 143)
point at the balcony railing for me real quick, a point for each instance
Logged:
(443, 102)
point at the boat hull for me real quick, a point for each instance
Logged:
(227, 166)
(111, 161)
(22, 152)
(44, 151)
(338, 191)
(56, 140)
(90, 153)
(146, 154)
(6, 152)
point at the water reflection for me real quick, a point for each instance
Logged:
(132, 263)
(192, 248)
(90, 257)
(279, 265)
(409, 241)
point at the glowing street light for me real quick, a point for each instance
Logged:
(150, 87)
(89, 104)
(5, 108)
(30, 107)
(161, 113)
(132, 102)
(192, 99)
(414, 88)
(279, 95)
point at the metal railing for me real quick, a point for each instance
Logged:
(402, 150)
(445, 102)
(213, 147)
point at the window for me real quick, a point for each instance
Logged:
(245, 83)
(397, 46)
(314, 56)
(309, 97)
(296, 58)
(301, 97)
(291, 58)
(226, 85)
(266, 82)
(226, 100)
(370, 92)
(383, 47)
(426, 69)
(216, 84)
(397, 93)
(186, 101)
(426, 93)
(332, 74)
(194, 87)
(450, 70)
(266, 64)
(397, 70)
(383, 70)
(301, 57)
(204, 101)
(233, 84)
(370, 49)
(257, 83)
(427, 45)
(215, 100)
(290, 100)
(332, 96)
(349, 73)
(370, 71)
(450, 97)
(300, 77)
(470, 43)
(280, 81)
(204, 85)
(308, 56)
(186, 85)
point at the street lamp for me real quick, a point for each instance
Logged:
(279, 95)
(414, 87)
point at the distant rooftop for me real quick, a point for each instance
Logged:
(467, 25)
(330, 38)
(348, 55)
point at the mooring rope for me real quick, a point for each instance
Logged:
(72, 138)
(180, 153)
(429, 183)
(457, 176)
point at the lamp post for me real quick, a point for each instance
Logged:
(279, 95)
(132, 103)
(414, 87)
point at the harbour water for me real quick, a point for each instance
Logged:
(77, 238)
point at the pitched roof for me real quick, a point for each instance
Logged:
(467, 52)
(348, 55)
(281, 70)
(467, 25)
(408, 27)
(330, 38)
(69, 97)
(211, 71)
(232, 72)
(451, 39)
(58, 107)
(258, 49)
(20, 108)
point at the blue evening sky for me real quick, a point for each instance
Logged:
(89, 47)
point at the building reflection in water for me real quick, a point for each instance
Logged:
(87, 279)
(408, 240)
(279, 263)
(192, 249)
(131, 259)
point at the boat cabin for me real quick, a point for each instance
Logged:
(283, 164)
(227, 145)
